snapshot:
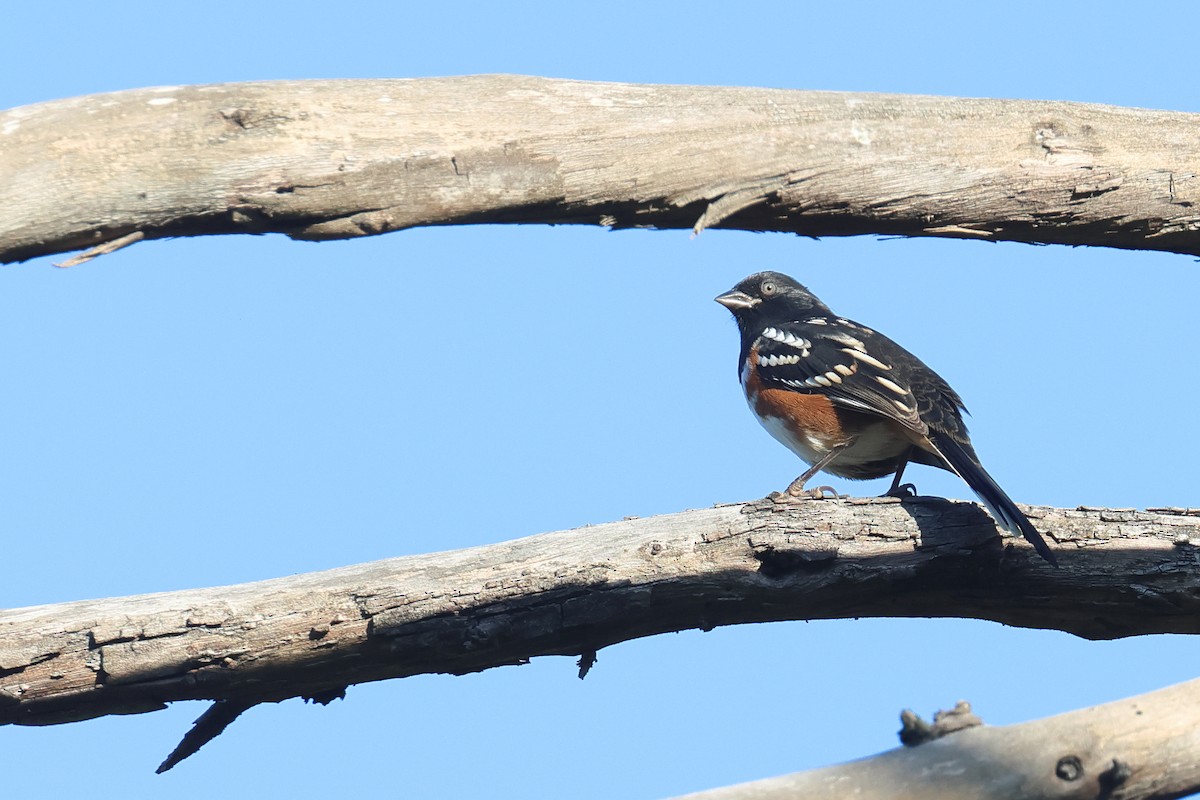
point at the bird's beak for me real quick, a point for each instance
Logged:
(736, 301)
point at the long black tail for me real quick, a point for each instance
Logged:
(1000, 504)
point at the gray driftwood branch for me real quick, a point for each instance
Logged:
(338, 159)
(573, 592)
(1141, 747)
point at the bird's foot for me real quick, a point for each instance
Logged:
(795, 494)
(903, 491)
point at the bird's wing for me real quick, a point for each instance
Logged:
(858, 368)
(843, 361)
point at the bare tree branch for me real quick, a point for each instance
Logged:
(1140, 748)
(339, 159)
(572, 592)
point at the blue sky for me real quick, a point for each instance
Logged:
(211, 411)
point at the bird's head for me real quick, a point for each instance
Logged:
(770, 295)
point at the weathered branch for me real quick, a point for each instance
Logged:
(338, 159)
(1123, 573)
(1145, 747)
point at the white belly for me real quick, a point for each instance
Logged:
(809, 448)
(876, 442)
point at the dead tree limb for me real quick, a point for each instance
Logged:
(1141, 748)
(572, 592)
(339, 159)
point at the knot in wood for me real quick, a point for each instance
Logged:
(1069, 768)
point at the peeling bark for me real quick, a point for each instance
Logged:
(1123, 573)
(340, 159)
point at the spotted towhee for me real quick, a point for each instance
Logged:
(851, 401)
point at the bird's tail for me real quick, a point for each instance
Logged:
(998, 503)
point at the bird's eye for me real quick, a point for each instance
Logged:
(768, 288)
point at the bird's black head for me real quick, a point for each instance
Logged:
(770, 296)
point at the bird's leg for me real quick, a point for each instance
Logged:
(898, 489)
(796, 487)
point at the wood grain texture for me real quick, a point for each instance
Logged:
(572, 592)
(339, 159)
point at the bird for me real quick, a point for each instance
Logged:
(850, 401)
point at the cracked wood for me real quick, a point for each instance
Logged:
(339, 159)
(1123, 573)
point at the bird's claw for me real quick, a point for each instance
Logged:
(903, 491)
(793, 495)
